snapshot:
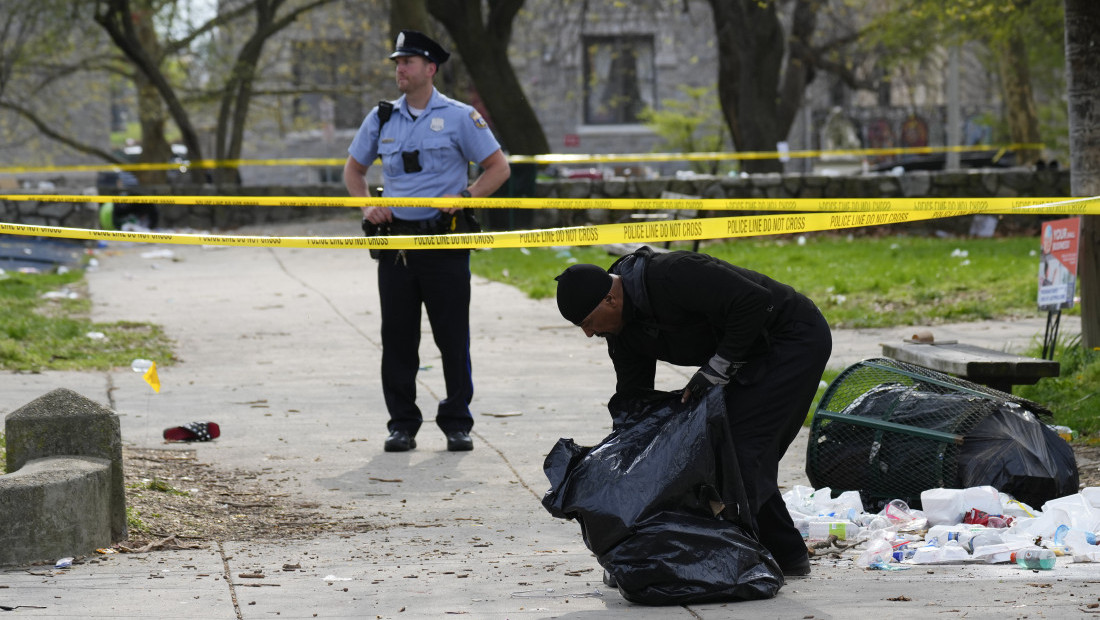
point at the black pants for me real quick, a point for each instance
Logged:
(767, 403)
(438, 280)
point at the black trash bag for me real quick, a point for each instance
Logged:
(678, 559)
(895, 464)
(989, 440)
(1013, 451)
(661, 504)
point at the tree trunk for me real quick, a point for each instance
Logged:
(1083, 91)
(1023, 121)
(408, 15)
(483, 45)
(751, 43)
(115, 16)
(154, 145)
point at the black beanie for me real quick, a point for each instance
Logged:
(580, 289)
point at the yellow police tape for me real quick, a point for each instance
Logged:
(642, 232)
(1004, 206)
(552, 158)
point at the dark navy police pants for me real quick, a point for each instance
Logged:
(438, 281)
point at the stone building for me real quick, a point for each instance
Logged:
(588, 67)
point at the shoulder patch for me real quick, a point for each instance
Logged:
(479, 122)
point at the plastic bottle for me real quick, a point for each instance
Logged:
(1036, 559)
(843, 530)
(1065, 531)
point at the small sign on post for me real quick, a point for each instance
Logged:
(1057, 275)
(1058, 264)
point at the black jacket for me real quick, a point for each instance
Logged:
(683, 307)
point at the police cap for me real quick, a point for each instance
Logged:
(413, 43)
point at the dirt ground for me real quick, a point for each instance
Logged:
(170, 493)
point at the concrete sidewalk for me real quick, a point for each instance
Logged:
(281, 348)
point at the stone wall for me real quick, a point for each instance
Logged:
(964, 184)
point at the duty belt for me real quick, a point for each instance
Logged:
(398, 227)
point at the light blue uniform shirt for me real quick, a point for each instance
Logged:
(449, 135)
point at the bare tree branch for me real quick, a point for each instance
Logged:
(57, 135)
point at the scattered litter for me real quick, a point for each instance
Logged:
(551, 593)
(922, 337)
(331, 578)
(106, 551)
(170, 543)
(997, 529)
(195, 431)
(1065, 432)
(385, 479)
(62, 294)
(96, 335)
(256, 575)
(1035, 559)
(64, 563)
(880, 565)
(158, 254)
(504, 414)
(148, 370)
(957, 253)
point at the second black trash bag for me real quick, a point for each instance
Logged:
(661, 504)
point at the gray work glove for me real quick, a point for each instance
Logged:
(717, 371)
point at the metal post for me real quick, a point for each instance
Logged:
(954, 118)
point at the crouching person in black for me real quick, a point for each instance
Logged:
(763, 341)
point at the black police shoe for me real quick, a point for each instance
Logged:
(400, 441)
(459, 441)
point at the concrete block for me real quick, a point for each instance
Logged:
(55, 507)
(64, 423)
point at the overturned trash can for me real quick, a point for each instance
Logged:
(891, 430)
(661, 504)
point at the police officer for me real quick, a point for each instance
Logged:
(426, 141)
(766, 343)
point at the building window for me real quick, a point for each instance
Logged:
(619, 78)
(332, 70)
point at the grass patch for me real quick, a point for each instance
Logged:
(1074, 395)
(44, 325)
(160, 486)
(133, 521)
(857, 282)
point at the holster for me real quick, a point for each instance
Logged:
(462, 221)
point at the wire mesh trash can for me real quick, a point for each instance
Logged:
(891, 430)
